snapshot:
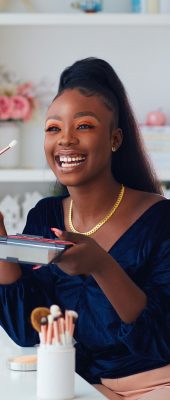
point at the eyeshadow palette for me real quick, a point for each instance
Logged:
(31, 249)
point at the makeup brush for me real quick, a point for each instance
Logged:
(68, 327)
(49, 329)
(73, 317)
(43, 324)
(56, 313)
(10, 145)
(54, 309)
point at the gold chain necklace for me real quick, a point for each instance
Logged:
(103, 221)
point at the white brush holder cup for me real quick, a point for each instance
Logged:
(55, 372)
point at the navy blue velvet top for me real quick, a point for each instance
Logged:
(106, 346)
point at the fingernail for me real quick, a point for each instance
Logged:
(37, 267)
(56, 231)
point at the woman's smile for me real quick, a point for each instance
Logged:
(69, 162)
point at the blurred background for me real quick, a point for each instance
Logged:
(39, 38)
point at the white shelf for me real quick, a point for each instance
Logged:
(26, 175)
(81, 19)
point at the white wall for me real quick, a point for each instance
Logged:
(140, 55)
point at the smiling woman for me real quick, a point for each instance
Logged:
(78, 142)
(116, 275)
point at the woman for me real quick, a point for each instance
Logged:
(117, 275)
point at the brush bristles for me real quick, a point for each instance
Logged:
(44, 321)
(72, 313)
(13, 143)
(50, 319)
(54, 309)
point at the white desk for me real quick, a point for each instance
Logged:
(16, 385)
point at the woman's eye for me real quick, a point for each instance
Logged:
(53, 128)
(85, 126)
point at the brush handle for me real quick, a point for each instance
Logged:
(4, 149)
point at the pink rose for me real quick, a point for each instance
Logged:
(5, 108)
(20, 107)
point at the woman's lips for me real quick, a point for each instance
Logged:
(68, 163)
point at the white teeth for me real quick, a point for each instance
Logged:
(67, 159)
(65, 165)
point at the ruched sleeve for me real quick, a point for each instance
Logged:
(33, 289)
(149, 335)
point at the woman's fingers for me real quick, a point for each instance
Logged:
(69, 236)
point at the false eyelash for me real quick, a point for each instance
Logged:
(89, 126)
(50, 128)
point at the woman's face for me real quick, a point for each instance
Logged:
(78, 137)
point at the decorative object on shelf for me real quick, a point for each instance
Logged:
(30, 199)
(28, 5)
(139, 6)
(9, 207)
(18, 100)
(156, 118)
(145, 6)
(153, 6)
(15, 210)
(88, 6)
(19, 103)
(9, 131)
(3, 4)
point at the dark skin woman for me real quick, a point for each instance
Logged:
(93, 146)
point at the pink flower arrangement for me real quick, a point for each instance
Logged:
(18, 101)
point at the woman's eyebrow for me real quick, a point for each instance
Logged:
(77, 115)
(86, 114)
(54, 117)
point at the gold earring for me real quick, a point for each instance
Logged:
(113, 149)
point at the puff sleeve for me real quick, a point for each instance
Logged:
(149, 335)
(33, 289)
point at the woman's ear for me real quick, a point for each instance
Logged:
(116, 138)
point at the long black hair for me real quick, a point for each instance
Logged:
(130, 163)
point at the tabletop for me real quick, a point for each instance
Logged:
(17, 385)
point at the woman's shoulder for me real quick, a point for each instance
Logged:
(140, 204)
(144, 200)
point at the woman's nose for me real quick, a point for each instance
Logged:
(67, 138)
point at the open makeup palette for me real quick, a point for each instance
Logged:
(31, 249)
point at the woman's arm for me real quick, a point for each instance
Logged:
(87, 257)
(144, 313)
(125, 296)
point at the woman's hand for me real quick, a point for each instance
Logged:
(2, 226)
(84, 258)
